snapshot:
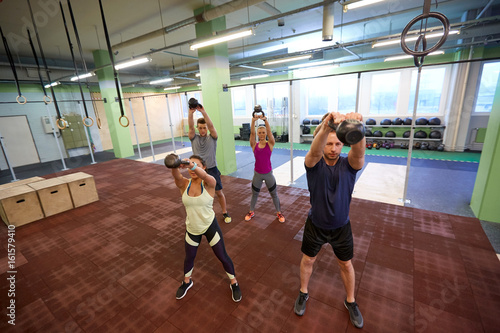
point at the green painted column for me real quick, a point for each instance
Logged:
(484, 201)
(120, 136)
(214, 70)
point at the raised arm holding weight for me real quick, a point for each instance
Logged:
(205, 145)
(330, 179)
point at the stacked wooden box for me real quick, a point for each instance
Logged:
(19, 202)
(34, 198)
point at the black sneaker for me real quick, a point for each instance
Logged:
(354, 313)
(235, 292)
(227, 218)
(300, 303)
(181, 292)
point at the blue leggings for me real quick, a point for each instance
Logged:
(214, 237)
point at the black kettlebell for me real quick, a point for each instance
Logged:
(193, 103)
(257, 109)
(173, 161)
(350, 131)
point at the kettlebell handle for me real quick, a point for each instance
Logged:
(258, 109)
(173, 161)
(350, 131)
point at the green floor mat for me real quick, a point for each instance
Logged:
(473, 157)
(395, 152)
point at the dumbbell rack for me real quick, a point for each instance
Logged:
(307, 137)
(441, 127)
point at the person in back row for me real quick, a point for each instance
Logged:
(263, 171)
(205, 146)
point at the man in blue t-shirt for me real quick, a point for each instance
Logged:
(330, 180)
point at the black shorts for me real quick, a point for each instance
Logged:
(340, 239)
(214, 172)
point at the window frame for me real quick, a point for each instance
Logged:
(476, 92)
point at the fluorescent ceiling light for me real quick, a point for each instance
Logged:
(221, 39)
(313, 42)
(161, 81)
(272, 62)
(358, 3)
(257, 68)
(254, 77)
(172, 88)
(406, 56)
(131, 63)
(53, 84)
(411, 39)
(309, 64)
(197, 74)
(83, 76)
(185, 78)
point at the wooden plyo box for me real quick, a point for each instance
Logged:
(19, 205)
(81, 187)
(21, 182)
(53, 195)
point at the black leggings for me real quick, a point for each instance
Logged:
(214, 237)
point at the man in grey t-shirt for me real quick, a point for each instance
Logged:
(205, 146)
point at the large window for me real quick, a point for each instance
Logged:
(384, 93)
(273, 98)
(191, 94)
(239, 97)
(348, 86)
(430, 90)
(318, 92)
(487, 87)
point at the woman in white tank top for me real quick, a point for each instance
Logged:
(198, 196)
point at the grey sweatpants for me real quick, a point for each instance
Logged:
(257, 180)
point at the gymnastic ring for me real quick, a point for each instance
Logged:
(45, 98)
(98, 122)
(446, 26)
(91, 121)
(419, 61)
(22, 103)
(61, 120)
(120, 121)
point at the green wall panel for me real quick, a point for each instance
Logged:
(486, 194)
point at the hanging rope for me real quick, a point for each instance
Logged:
(97, 118)
(60, 122)
(77, 37)
(20, 98)
(46, 98)
(106, 34)
(418, 59)
(76, 70)
(418, 56)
